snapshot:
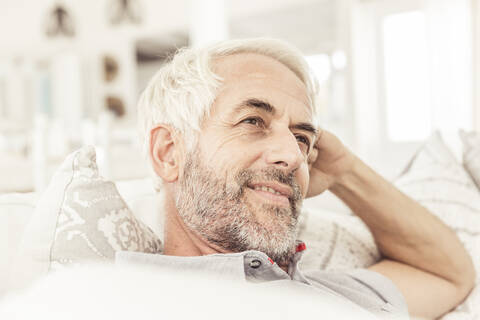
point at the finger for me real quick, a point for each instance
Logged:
(312, 156)
(320, 135)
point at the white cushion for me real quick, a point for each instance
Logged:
(15, 211)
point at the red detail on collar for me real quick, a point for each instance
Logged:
(300, 247)
(271, 261)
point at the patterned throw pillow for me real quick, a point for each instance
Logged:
(336, 241)
(79, 218)
(438, 182)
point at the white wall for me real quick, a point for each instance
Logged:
(476, 60)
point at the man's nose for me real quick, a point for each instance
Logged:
(283, 152)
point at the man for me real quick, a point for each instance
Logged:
(232, 135)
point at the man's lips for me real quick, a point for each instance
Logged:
(273, 192)
(273, 187)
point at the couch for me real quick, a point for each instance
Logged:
(43, 233)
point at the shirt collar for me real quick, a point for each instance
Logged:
(238, 266)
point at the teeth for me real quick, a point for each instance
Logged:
(267, 189)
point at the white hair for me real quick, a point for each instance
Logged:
(181, 93)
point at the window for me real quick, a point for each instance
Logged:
(407, 76)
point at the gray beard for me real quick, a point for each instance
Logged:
(221, 214)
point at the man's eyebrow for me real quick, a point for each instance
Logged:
(264, 105)
(305, 126)
(256, 103)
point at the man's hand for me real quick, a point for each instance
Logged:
(328, 161)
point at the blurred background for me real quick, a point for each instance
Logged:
(71, 71)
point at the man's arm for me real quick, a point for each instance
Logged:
(422, 256)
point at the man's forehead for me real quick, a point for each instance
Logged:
(256, 76)
(254, 66)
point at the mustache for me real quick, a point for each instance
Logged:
(247, 176)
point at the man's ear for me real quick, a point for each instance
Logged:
(165, 152)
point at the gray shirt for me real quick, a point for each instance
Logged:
(355, 289)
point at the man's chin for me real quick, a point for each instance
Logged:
(275, 238)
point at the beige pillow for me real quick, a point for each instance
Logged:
(79, 218)
(335, 241)
(438, 182)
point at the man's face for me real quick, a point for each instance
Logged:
(243, 185)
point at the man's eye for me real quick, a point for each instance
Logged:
(255, 121)
(303, 140)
